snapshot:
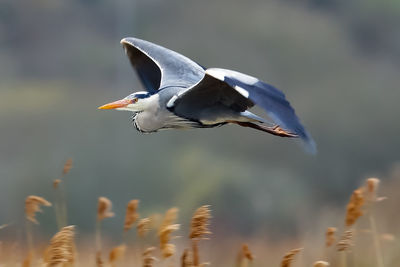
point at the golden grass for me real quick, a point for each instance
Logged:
(62, 249)
(320, 264)
(131, 214)
(346, 241)
(143, 227)
(33, 205)
(164, 233)
(116, 254)
(353, 210)
(148, 259)
(67, 166)
(289, 257)
(338, 251)
(104, 206)
(200, 222)
(330, 237)
(244, 257)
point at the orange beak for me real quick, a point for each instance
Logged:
(117, 104)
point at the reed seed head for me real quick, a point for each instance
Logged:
(169, 218)
(56, 182)
(148, 259)
(346, 241)
(330, 236)
(99, 260)
(372, 185)
(32, 206)
(28, 260)
(185, 259)
(143, 227)
(131, 214)
(200, 222)
(116, 254)
(104, 206)
(353, 209)
(165, 230)
(165, 235)
(321, 264)
(247, 253)
(289, 257)
(61, 248)
(67, 166)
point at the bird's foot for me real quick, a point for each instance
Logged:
(277, 130)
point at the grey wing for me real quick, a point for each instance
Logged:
(272, 100)
(159, 67)
(209, 100)
(240, 92)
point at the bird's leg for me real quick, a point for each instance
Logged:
(275, 130)
(281, 132)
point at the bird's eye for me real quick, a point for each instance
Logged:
(135, 100)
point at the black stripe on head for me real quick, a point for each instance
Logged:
(142, 95)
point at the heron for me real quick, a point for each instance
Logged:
(182, 94)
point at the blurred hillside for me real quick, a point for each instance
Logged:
(337, 61)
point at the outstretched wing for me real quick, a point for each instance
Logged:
(159, 67)
(234, 89)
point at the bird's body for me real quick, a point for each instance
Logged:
(181, 94)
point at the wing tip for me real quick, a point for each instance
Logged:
(308, 144)
(125, 40)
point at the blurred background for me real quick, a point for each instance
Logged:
(337, 61)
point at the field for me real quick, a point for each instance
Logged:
(364, 233)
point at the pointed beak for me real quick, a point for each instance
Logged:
(117, 104)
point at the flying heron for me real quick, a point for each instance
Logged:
(182, 94)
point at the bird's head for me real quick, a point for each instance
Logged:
(135, 102)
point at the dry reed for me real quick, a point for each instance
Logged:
(353, 209)
(99, 260)
(199, 230)
(60, 202)
(27, 262)
(371, 192)
(200, 222)
(372, 185)
(116, 254)
(56, 182)
(104, 207)
(67, 166)
(330, 236)
(289, 257)
(346, 241)
(62, 248)
(244, 256)
(185, 259)
(247, 253)
(32, 206)
(165, 230)
(320, 264)
(131, 214)
(143, 227)
(148, 259)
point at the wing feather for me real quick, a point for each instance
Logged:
(159, 67)
(272, 100)
(223, 91)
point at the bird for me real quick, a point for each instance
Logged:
(182, 94)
